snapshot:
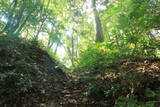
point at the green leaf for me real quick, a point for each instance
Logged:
(149, 93)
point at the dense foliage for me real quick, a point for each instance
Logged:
(111, 49)
(130, 24)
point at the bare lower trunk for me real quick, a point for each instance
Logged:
(97, 23)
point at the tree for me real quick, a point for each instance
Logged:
(97, 23)
(17, 14)
(129, 24)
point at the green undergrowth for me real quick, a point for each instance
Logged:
(123, 89)
(101, 55)
(121, 77)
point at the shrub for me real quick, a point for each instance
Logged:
(101, 55)
(17, 76)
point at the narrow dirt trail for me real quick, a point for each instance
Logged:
(73, 94)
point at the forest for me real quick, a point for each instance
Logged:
(79, 53)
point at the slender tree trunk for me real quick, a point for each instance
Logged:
(50, 44)
(17, 19)
(97, 23)
(56, 48)
(72, 54)
(23, 23)
(10, 18)
(39, 30)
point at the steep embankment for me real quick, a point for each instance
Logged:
(130, 82)
(29, 77)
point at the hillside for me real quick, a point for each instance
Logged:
(28, 75)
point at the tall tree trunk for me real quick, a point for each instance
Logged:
(56, 48)
(23, 23)
(10, 17)
(17, 19)
(50, 44)
(39, 29)
(97, 23)
(72, 54)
